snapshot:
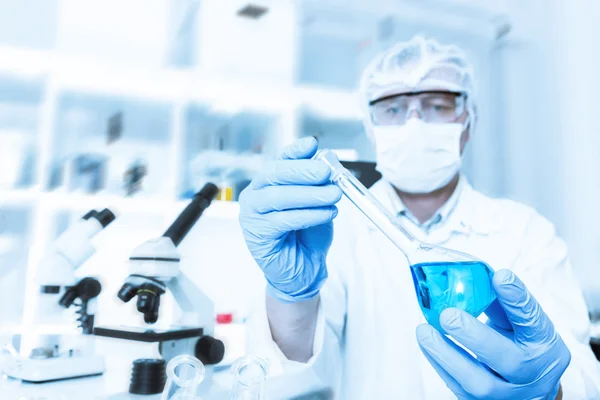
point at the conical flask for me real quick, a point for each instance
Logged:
(443, 278)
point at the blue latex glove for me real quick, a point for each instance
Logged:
(286, 216)
(519, 354)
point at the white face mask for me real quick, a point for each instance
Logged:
(418, 157)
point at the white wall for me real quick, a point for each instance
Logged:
(549, 153)
(576, 31)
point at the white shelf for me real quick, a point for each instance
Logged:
(17, 197)
(24, 63)
(78, 202)
(124, 205)
(330, 103)
(78, 75)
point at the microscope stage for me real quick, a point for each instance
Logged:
(148, 335)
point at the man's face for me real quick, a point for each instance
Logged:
(431, 98)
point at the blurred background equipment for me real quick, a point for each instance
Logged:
(59, 287)
(134, 176)
(86, 173)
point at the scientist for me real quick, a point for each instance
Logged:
(345, 306)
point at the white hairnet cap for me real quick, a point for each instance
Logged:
(418, 64)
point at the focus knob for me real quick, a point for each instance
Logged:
(209, 350)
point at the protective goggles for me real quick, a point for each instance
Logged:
(430, 106)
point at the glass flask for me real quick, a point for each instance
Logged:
(184, 375)
(250, 373)
(442, 278)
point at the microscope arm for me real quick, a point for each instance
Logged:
(155, 263)
(71, 250)
(197, 310)
(196, 307)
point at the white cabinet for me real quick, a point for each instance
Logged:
(97, 139)
(261, 48)
(345, 134)
(14, 232)
(226, 147)
(128, 32)
(19, 123)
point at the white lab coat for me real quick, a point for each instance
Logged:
(365, 344)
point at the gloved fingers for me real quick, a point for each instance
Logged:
(281, 198)
(497, 317)
(464, 369)
(448, 380)
(301, 148)
(529, 321)
(293, 172)
(281, 222)
(492, 348)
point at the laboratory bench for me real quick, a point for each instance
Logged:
(114, 383)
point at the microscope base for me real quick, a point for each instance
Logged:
(54, 369)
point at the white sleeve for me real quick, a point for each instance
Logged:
(326, 362)
(544, 267)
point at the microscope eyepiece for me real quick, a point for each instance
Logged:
(190, 215)
(105, 217)
(208, 192)
(90, 214)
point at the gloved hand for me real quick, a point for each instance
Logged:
(519, 354)
(286, 216)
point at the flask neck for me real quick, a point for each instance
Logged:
(360, 196)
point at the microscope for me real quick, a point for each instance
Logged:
(154, 270)
(60, 289)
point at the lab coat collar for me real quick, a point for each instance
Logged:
(469, 215)
(440, 215)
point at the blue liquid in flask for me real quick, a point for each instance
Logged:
(466, 285)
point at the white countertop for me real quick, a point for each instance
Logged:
(119, 355)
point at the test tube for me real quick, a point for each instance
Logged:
(184, 375)
(359, 195)
(250, 373)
